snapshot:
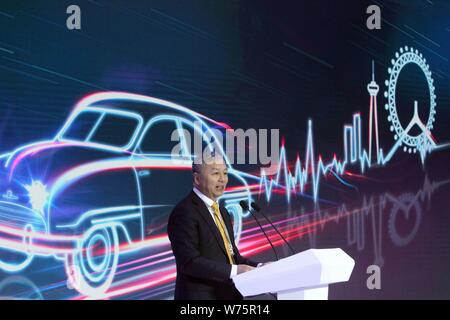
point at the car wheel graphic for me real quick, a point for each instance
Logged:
(15, 261)
(91, 268)
(19, 288)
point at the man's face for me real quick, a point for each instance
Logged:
(212, 179)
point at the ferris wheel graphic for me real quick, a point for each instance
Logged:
(424, 141)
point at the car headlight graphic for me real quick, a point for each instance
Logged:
(38, 195)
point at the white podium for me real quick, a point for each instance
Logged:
(302, 276)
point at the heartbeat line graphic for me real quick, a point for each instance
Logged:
(368, 219)
(311, 171)
(28, 217)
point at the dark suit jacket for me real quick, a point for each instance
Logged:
(203, 270)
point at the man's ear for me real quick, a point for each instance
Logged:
(195, 178)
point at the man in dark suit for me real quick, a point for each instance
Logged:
(202, 238)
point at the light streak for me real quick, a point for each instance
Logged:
(104, 229)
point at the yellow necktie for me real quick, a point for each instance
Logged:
(221, 227)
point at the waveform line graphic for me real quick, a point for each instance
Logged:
(370, 219)
(386, 209)
(311, 171)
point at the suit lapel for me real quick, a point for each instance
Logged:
(229, 226)
(227, 221)
(204, 213)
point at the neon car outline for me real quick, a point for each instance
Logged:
(106, 229)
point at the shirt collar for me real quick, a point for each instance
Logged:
(209, 202)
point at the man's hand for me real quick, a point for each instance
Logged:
(241, 268)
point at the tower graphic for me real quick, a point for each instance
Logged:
(373, 89)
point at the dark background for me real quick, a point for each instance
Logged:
(253, 64)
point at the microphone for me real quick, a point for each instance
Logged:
(245, 207)
(257, 208)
